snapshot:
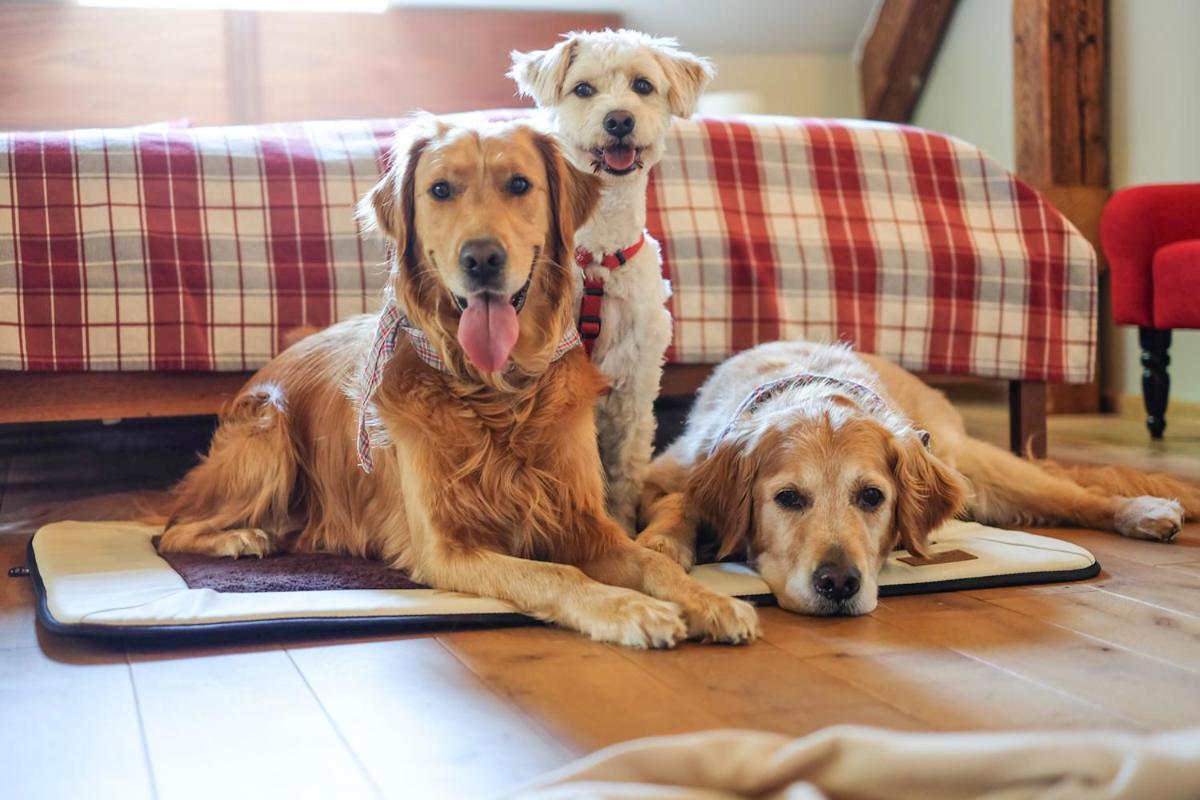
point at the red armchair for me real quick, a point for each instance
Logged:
(1151, 238)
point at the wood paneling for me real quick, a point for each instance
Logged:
(65, 67)
(899, 54)
(69, 67)
(367, 65)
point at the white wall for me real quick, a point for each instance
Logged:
(969, 91)
(797, 84)
(1155, 133)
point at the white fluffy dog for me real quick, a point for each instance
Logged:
(611, 96)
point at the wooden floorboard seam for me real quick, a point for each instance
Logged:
(1107, 642)
(1012, 673)
(543, 730)
(367, 775)
(141, 723)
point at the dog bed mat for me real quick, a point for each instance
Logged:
(106, 579)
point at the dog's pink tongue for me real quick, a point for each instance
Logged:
(487, 331)
(619, 156)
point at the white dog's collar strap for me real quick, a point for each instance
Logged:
(766, 391)
(592, 301)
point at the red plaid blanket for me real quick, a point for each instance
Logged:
(157, 249)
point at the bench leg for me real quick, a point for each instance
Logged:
(1027, 417)
(1156, 382)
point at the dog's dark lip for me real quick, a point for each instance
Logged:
(518, 298)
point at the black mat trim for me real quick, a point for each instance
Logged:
(280, 626)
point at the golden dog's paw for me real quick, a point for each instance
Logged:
(669, 546)
(241, 542)
(1153, 518)
(721, 619)
(636, 620)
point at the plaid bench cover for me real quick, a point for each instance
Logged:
(198, 249)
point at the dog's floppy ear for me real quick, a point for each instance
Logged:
(540, 74)
(389, 206)
(573, 197)
(687, 75)
(928, 491)
(720, 492)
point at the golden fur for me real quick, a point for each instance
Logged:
(828, 443)
(492, 483)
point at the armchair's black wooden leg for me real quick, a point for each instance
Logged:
(1027, 417)
(1156, 383)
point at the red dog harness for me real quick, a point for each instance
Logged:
(593, 289)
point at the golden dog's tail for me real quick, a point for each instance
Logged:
(246, 480)
(1128, 482)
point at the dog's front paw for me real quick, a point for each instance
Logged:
(671, 547)
(636, 620)
(1153, 518)
(721, 619)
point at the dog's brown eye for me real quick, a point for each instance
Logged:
(792, 500)
(869, 498)
(643, 86)
(584, 89)
(518, 185)
(441, 190)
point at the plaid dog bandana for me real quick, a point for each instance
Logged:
(392, 322)
(766, 391)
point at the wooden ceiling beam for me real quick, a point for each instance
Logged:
(899, 54)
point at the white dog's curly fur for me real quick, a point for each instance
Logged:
(651, 80)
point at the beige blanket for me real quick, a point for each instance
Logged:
(868, 763)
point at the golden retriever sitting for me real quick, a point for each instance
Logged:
(817, 462)
(476, 436)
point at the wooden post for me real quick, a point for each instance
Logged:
(1060, 102)
(1027, 418)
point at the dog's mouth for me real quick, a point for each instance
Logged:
(617, 158)
(517, 299)
(488, 327)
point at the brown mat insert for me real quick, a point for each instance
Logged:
(292, 572)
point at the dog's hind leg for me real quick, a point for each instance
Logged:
(625, 427)
(1129, 482)
(1009, 491)
(236, 502)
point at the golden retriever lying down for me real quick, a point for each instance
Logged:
(485, 475)
(817, 461)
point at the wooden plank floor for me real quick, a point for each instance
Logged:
(469, 714)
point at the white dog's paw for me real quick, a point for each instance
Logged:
(241, 542)
(721, 619)
(682, 554)
(1154, 518)
(636, 620)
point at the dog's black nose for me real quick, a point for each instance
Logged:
(483, 261)
(836, 582)
(619, 123)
